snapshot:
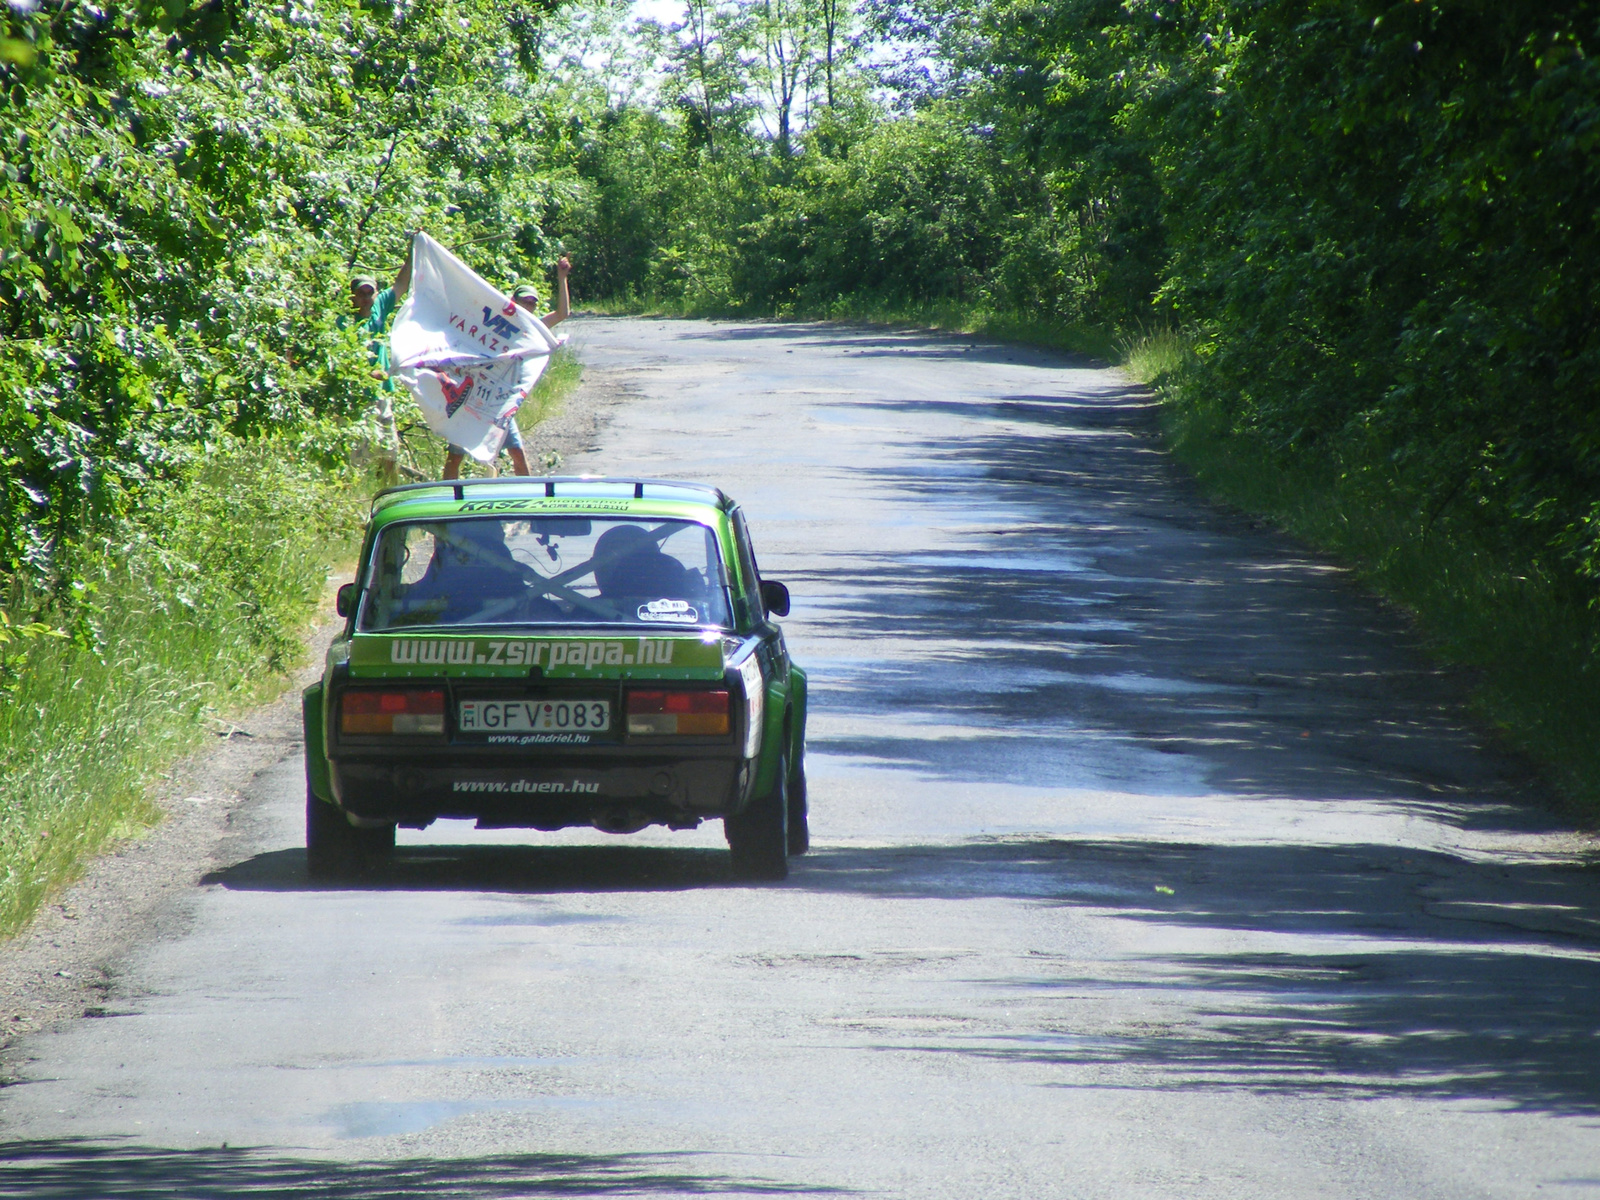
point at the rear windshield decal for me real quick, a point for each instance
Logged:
(674, 612)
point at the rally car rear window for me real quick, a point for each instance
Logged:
(546, 571)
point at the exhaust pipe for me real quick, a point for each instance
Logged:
(620, 820)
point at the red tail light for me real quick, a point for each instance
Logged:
(698, 713)
(413, 710)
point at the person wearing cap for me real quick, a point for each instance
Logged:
(371, 310)
(526, 296)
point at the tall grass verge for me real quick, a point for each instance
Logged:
(560, 380)
(1153, 354)
(197, 606)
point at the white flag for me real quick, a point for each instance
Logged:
(468, 354)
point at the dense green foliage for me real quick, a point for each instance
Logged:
(883, 184)
(183, 194)
(1385, 219)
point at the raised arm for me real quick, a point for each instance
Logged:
(563, 307)
(402, 281)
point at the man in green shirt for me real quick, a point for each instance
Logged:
(371, 309)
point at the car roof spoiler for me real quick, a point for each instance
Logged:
(607, 487)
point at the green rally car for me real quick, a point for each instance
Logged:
(543, 653)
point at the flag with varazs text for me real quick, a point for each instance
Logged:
(465, 350)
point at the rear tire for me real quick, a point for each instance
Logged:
(758, 837)
(336, 849)
(799, 812)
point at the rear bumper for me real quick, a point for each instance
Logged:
(551, 792)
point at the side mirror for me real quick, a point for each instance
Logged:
(775, 597)
(344, 602)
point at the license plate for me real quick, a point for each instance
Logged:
(534, 716)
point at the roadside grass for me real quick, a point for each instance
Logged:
(1152, 354)
(197, 608)
(560, 380)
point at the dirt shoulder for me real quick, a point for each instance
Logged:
(64, 964)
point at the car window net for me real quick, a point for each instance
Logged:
(546, 571)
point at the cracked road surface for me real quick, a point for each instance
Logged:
(1152, 860)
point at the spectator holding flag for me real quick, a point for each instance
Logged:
(371, 310)
(526, 296)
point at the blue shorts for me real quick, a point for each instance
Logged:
(513, 439)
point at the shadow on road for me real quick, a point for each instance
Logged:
(74, 1169)
(1096, 610)
(499, 868)
(877, 341)
(1420, 973)
(1411, 974)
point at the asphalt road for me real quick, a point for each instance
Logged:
(1151, 861)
